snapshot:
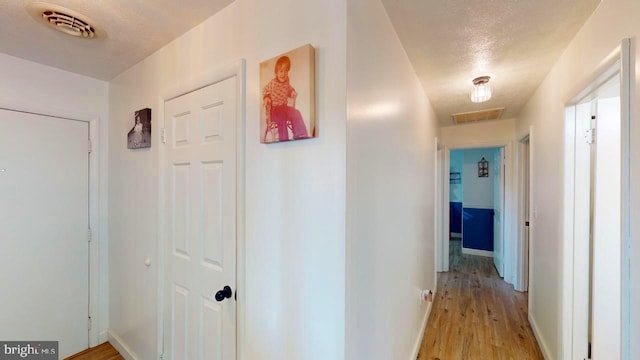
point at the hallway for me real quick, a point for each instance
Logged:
(476, 315)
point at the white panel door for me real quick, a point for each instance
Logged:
(201, 224)
(44, 220)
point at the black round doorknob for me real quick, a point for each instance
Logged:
(225, 293)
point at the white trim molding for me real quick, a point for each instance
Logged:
(543, 346)
(119, 345)
(98, 296)
(522, 255)
(441, 215)
(469, 251)
(627, 109)
(423, 327)
(473, 206)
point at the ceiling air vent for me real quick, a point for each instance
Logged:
(475, 116)
(65, 20)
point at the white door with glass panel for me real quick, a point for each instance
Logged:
(44, 218)
(200, 249)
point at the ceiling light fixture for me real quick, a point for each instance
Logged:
(481, 90)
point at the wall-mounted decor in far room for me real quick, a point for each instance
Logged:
(483, 168)
(455, 178)
(140, 135)
(287, 84)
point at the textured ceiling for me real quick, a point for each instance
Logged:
(450, 42)
(135, 29)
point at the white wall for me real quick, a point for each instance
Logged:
(480, 134)
(391, 130)
(478, 191)
(295, 191)
(28, 86)
(38, 88)
(601, 34)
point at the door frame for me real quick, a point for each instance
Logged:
(441, 218)
(96, 334)
(502, 200)
(509, 202)
(523, 256)
(438, 226)
(621, 61)
(235, 68)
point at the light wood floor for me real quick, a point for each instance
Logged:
(100, 352)
(476, 315)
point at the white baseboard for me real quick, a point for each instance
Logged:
(123, 349)
(536, 333)
(103, 337)
(423, 327)
(477, 252)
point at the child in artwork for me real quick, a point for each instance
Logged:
(137, 133)
(279, 99)
(140, 135)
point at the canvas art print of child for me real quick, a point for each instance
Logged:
(287, 113)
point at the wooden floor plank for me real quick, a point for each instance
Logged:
(101, 352)
(476, 315)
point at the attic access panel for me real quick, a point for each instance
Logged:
(476, 116)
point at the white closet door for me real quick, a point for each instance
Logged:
(44, 221)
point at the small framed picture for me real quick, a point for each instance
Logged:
(140, 135)
(287, 87)
(483, 168)
(455, 178)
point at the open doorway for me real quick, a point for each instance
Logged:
(494, 203)
(478, 237)
(476, 205)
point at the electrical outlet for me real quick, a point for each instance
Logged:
(426, 295)
(429, 296)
